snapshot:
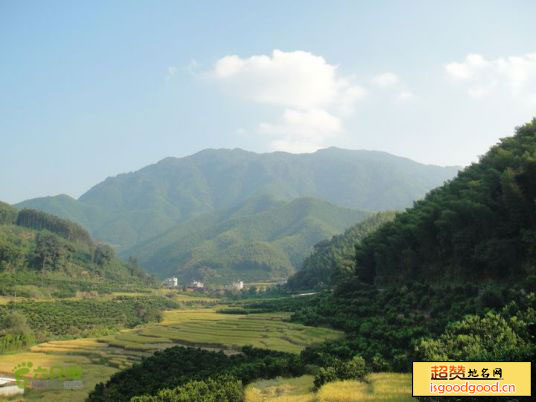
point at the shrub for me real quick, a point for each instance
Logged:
(15, 333)
(325, 375)
(222, 389)
(353, 369)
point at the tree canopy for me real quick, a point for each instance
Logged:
(480, 225)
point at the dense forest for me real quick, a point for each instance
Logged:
(479, 226)
(260, 239)
(38, 249)
(333, 260)
(26, 322)
(38, 220)
(178, 366)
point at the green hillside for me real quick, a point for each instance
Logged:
(260, 239)
(333, 260)
(132, 207)
(479, 226)
(40, 253)
(452, 278)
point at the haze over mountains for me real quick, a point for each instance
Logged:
(132, 208)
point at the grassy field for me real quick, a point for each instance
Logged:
(392, 387)
(101, 357)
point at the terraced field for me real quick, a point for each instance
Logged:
(228, 332)
(101, 357)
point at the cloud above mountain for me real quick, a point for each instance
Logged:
(302, 130)
(313, 94)
(295, 79)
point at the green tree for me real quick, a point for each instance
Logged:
(15, 333)
(8, 214)
(50, 252)
(475, 338)
(104, 254)
(223, 389)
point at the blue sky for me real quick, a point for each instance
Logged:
(93, 89)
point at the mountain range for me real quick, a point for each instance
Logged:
(134, 211)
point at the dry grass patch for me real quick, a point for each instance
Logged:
(392, 387)
(297, 389)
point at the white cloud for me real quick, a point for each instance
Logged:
(314, 97)
(385, 80)
(302, 131)
(295, 79)
(312, 92)
(514, 75)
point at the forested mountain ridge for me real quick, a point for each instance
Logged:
(333, 260)
(479, 226)
(262, 238)
(136, 206)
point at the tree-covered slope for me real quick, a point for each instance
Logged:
(479, 226)
(333, 260)
(37, 249)
(132, 207)
(262, 238)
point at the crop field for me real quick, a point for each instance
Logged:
(229, 332)
(99, 358)
(384, 387)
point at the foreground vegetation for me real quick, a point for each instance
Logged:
(186, 374)
(427, 283)
(201, 326)
(392, 387)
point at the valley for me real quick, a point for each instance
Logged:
(196, 326)
(337, 302)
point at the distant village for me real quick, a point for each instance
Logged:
(173, 283)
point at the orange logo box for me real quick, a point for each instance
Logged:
(471, 379)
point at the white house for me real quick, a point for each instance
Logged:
(172, 282)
